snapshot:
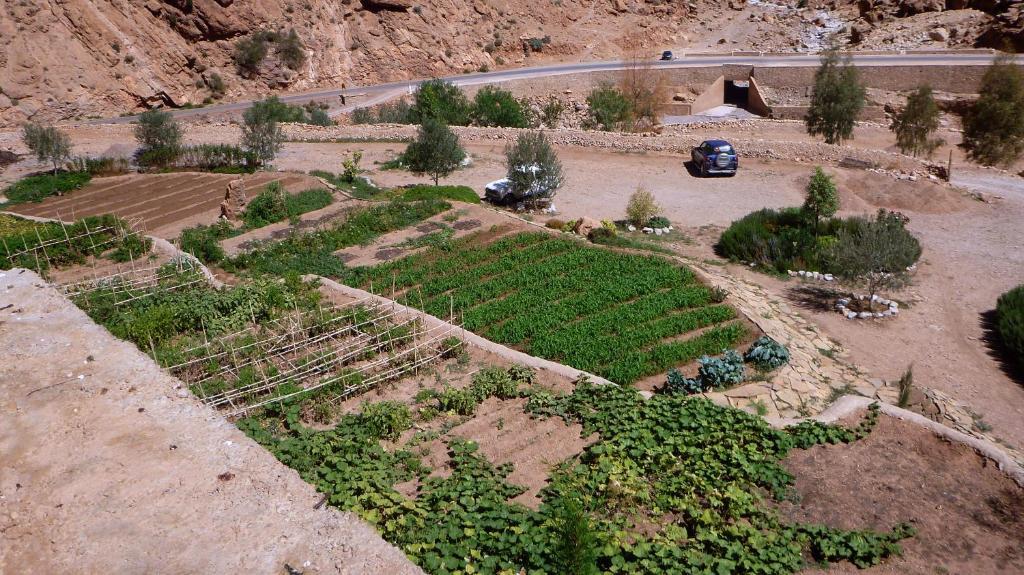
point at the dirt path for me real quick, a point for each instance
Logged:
(106, 466)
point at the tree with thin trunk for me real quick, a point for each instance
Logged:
(876, 253)
(917, 122)
(837, 99)
(994, 125)
(48, 143)
(261, 134)
(822, 200)
(436, 151)
(159, 137)
(533, 169)
(643, 87)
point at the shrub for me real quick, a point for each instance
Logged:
(822, 199)
(555, 224)
(551, 113)
(457, 193)
(777, 239)
(442, 101)
(459, 401)
(435, 152)
(38, 188)
(676, 382)
(386, 419)
(48, 143)
(658, 222)
(291, 51)
(641, 207)
(766, 353)
(216, 85)
(876, 253)
(131, 247)
(522, 375)
(249, 55)
(273, 204)
(576, 545)
(493, 381)
(721, 372)
(398, 112)
(220, 158)
(1010, 322)
(596, 235)
(608, 108)
(496, 107)
(105, 166)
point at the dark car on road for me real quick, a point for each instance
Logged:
(715, 157)
(667, 55)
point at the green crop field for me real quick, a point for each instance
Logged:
(620, 316)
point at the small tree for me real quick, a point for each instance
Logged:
(442, 101)
(435, 152)
(532, 166)
(496, 107)
(159, 137)
(822, 199)
(643, 88)
(836, 100)
(48, 143)
(994, 125)
(575, 550)
(915, 124)
(608, 108)
(876, 253)
(261, 133)
(641, 207)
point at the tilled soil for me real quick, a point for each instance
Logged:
(107, 465)
(968, 514)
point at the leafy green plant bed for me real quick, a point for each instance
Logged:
(617, 315)
(40, 246)
(38, 188)
(274, 205)
(203, 241)
(672, 485)
(357, 186)
(456, 193)
(313, 253)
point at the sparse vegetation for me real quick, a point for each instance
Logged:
(641, 207)
(291, 51)
(608, 108)
(916, 123)
(274, 204)
(261, 134)
(48, 143)
(38, 188)
(836, 100)
(159, 138)
(397, 112)
(905, 386)
(876, 253)
(249, 55)
(203, 241)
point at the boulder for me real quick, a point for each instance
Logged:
(939, 34)
(585, 225)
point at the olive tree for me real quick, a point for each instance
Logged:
(876, 253)
(533, 169)
(836, 100)
(822, 200)
(48, 143)
(994, 125)
(159, 137)
(915, 124)
(261, 134)
(436, 151)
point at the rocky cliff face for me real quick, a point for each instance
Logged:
(984, 23)
(67, 59)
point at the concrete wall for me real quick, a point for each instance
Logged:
(713, 96)
(869, 113)
(963, 79)
(755, 101)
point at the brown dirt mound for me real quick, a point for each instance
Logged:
(969, 515)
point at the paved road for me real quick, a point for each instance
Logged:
(369, 95)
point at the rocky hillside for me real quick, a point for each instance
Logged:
(968, 23)
(66, 59)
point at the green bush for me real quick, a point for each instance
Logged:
(38, 188)
(104, 166)
(267, 207)
(398, 112)
(496, 107)
(442, 101)
(457, 193)
(609, 108)
(249, 55)
(67, 244)
(1010, 322)
(219, 158)
(777, 239)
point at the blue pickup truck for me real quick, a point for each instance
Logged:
(715, 157)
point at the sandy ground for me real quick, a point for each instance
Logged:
(969, 516)
(109, 466)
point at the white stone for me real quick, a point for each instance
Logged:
(865, 315)
(670, 228)
(829, 277)
(631, 228)
(887, 313)
(648, 230)
(851, 315)
(894, 310)
(658, 232)
(791, 273)
(894, 304)
(802, 273)
(878, 314)
(843, 301)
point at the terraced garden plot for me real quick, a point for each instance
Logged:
(159, 200)
(620, 316)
